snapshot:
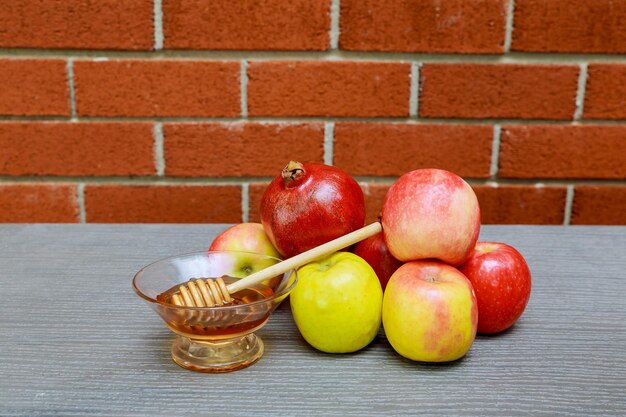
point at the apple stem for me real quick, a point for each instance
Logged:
(292, 171)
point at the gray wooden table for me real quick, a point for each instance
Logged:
(75, 339)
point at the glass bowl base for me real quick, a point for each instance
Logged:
(218, 356)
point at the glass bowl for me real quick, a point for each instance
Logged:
(214, 339)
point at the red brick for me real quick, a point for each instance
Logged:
(569, 26)
(498, 91)
(162, 204)
(68, 24)
(255, 193)
(605, 95)
(386, 149)
(309, 88)
(264, 24)
(374, 194)
(521, 204)
(596, 204)
(239, 148)
(157, 88)
(557, 151)
(453, 26)
(33, 87)
(38, 203)
(68, 148)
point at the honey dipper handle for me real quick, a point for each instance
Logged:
(306, 257)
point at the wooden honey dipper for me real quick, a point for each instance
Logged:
(213, 292)
(202, 293)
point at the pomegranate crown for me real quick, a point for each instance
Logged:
(293, 171)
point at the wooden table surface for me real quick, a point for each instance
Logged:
(76, 340)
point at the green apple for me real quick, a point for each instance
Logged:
(430, 312)
(337, 303)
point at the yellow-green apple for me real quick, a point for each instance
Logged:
(375, 252)
(431, 213)
(430, 312)
(242, 238)
(337, 303)
(502, 280)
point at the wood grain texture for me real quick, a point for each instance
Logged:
(76, 340)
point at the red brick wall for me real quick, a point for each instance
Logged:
(182, 111)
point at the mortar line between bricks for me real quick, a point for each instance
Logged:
(80, 197)
(313, 119)
(414, 94)
(330, 55)
(508, 29)
(159, 158)
(329, 139)
(158, 25)
(580, 92)
(335, 12)
(72, 92)
(495, 151)
(569, 202)
(243, 79)
(238, 181)
(245, 202)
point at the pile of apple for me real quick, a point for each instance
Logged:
(425, 278)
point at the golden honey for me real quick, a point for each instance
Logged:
(246, 312)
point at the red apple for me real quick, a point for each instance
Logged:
(431, 213)
(310, 204)
(501, 280)
(375, 252)
(429, 312)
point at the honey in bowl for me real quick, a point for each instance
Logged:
(243, 314)
(213, 339)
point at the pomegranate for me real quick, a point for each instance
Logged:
(377, 255)
(309, 204)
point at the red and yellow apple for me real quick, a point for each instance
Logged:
(245, 237)
(375, 252)
(502, 281)
(431, 213)
(337, 303)
(430, 312)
